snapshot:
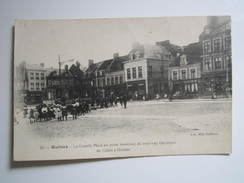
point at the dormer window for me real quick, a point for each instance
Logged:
(183, 60)
(133, 56)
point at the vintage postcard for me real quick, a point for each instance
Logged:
(122, 87)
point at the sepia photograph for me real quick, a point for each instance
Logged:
(122, 87)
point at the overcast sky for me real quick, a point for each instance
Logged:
(43, 40)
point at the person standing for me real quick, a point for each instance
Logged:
(64, 113)
(121, 100)
(74, 111)
(125, 101)
(31, 116)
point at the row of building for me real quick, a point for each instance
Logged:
(162, 69)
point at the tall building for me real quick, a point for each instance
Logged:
(106, 78)
(36, 77)
(146, 71)
(185, 71)
(115, 77)
(67, 85)
(31, 82)
(216, 55)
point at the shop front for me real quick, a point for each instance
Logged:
(136, 89)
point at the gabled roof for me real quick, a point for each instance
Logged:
(193, 54)
(117, 64)
(173, 49)
(92, 67)
(105, 64)
(110, 65)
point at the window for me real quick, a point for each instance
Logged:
(112, 81)
(227, 42)
(121, 79)
(183, 74)
(193, 73)
(108, 81)
(102, 73)
(140, 71)
(206, 46)
(128, 73)
(31, 75)
(217, 62)
(174, 75)
(207, 63)
(133, 56)
(116, 80)
(42, 76)
(37, 76)
(37, 86)
(228, 61)
(134, 72)
(32, 84)
(103, 81)
(150, 71)
(217, 45)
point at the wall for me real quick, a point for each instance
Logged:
(136, 64)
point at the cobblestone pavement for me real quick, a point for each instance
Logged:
(160, 118)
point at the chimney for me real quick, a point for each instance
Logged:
(90, 62)
(115, 56)
(66, 68)
(42, 65)
(77, 64)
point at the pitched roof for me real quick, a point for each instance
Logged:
(105, 64)
(92, 67)
(173, 49)
(117, 64)
(111, 65)
(193, 53)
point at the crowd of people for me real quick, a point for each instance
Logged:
(61, 111)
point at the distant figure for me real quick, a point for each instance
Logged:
(64, 113)
(115, 101)
(25, 111)
(170, 96)
(36, 115)
(157, 96)
(31, 116)
(58, 114)
(144, 98)
(121, 100)
(74, 111)
(125, 101)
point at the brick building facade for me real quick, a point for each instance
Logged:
(216, 55)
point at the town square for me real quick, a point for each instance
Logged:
(176, 96)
